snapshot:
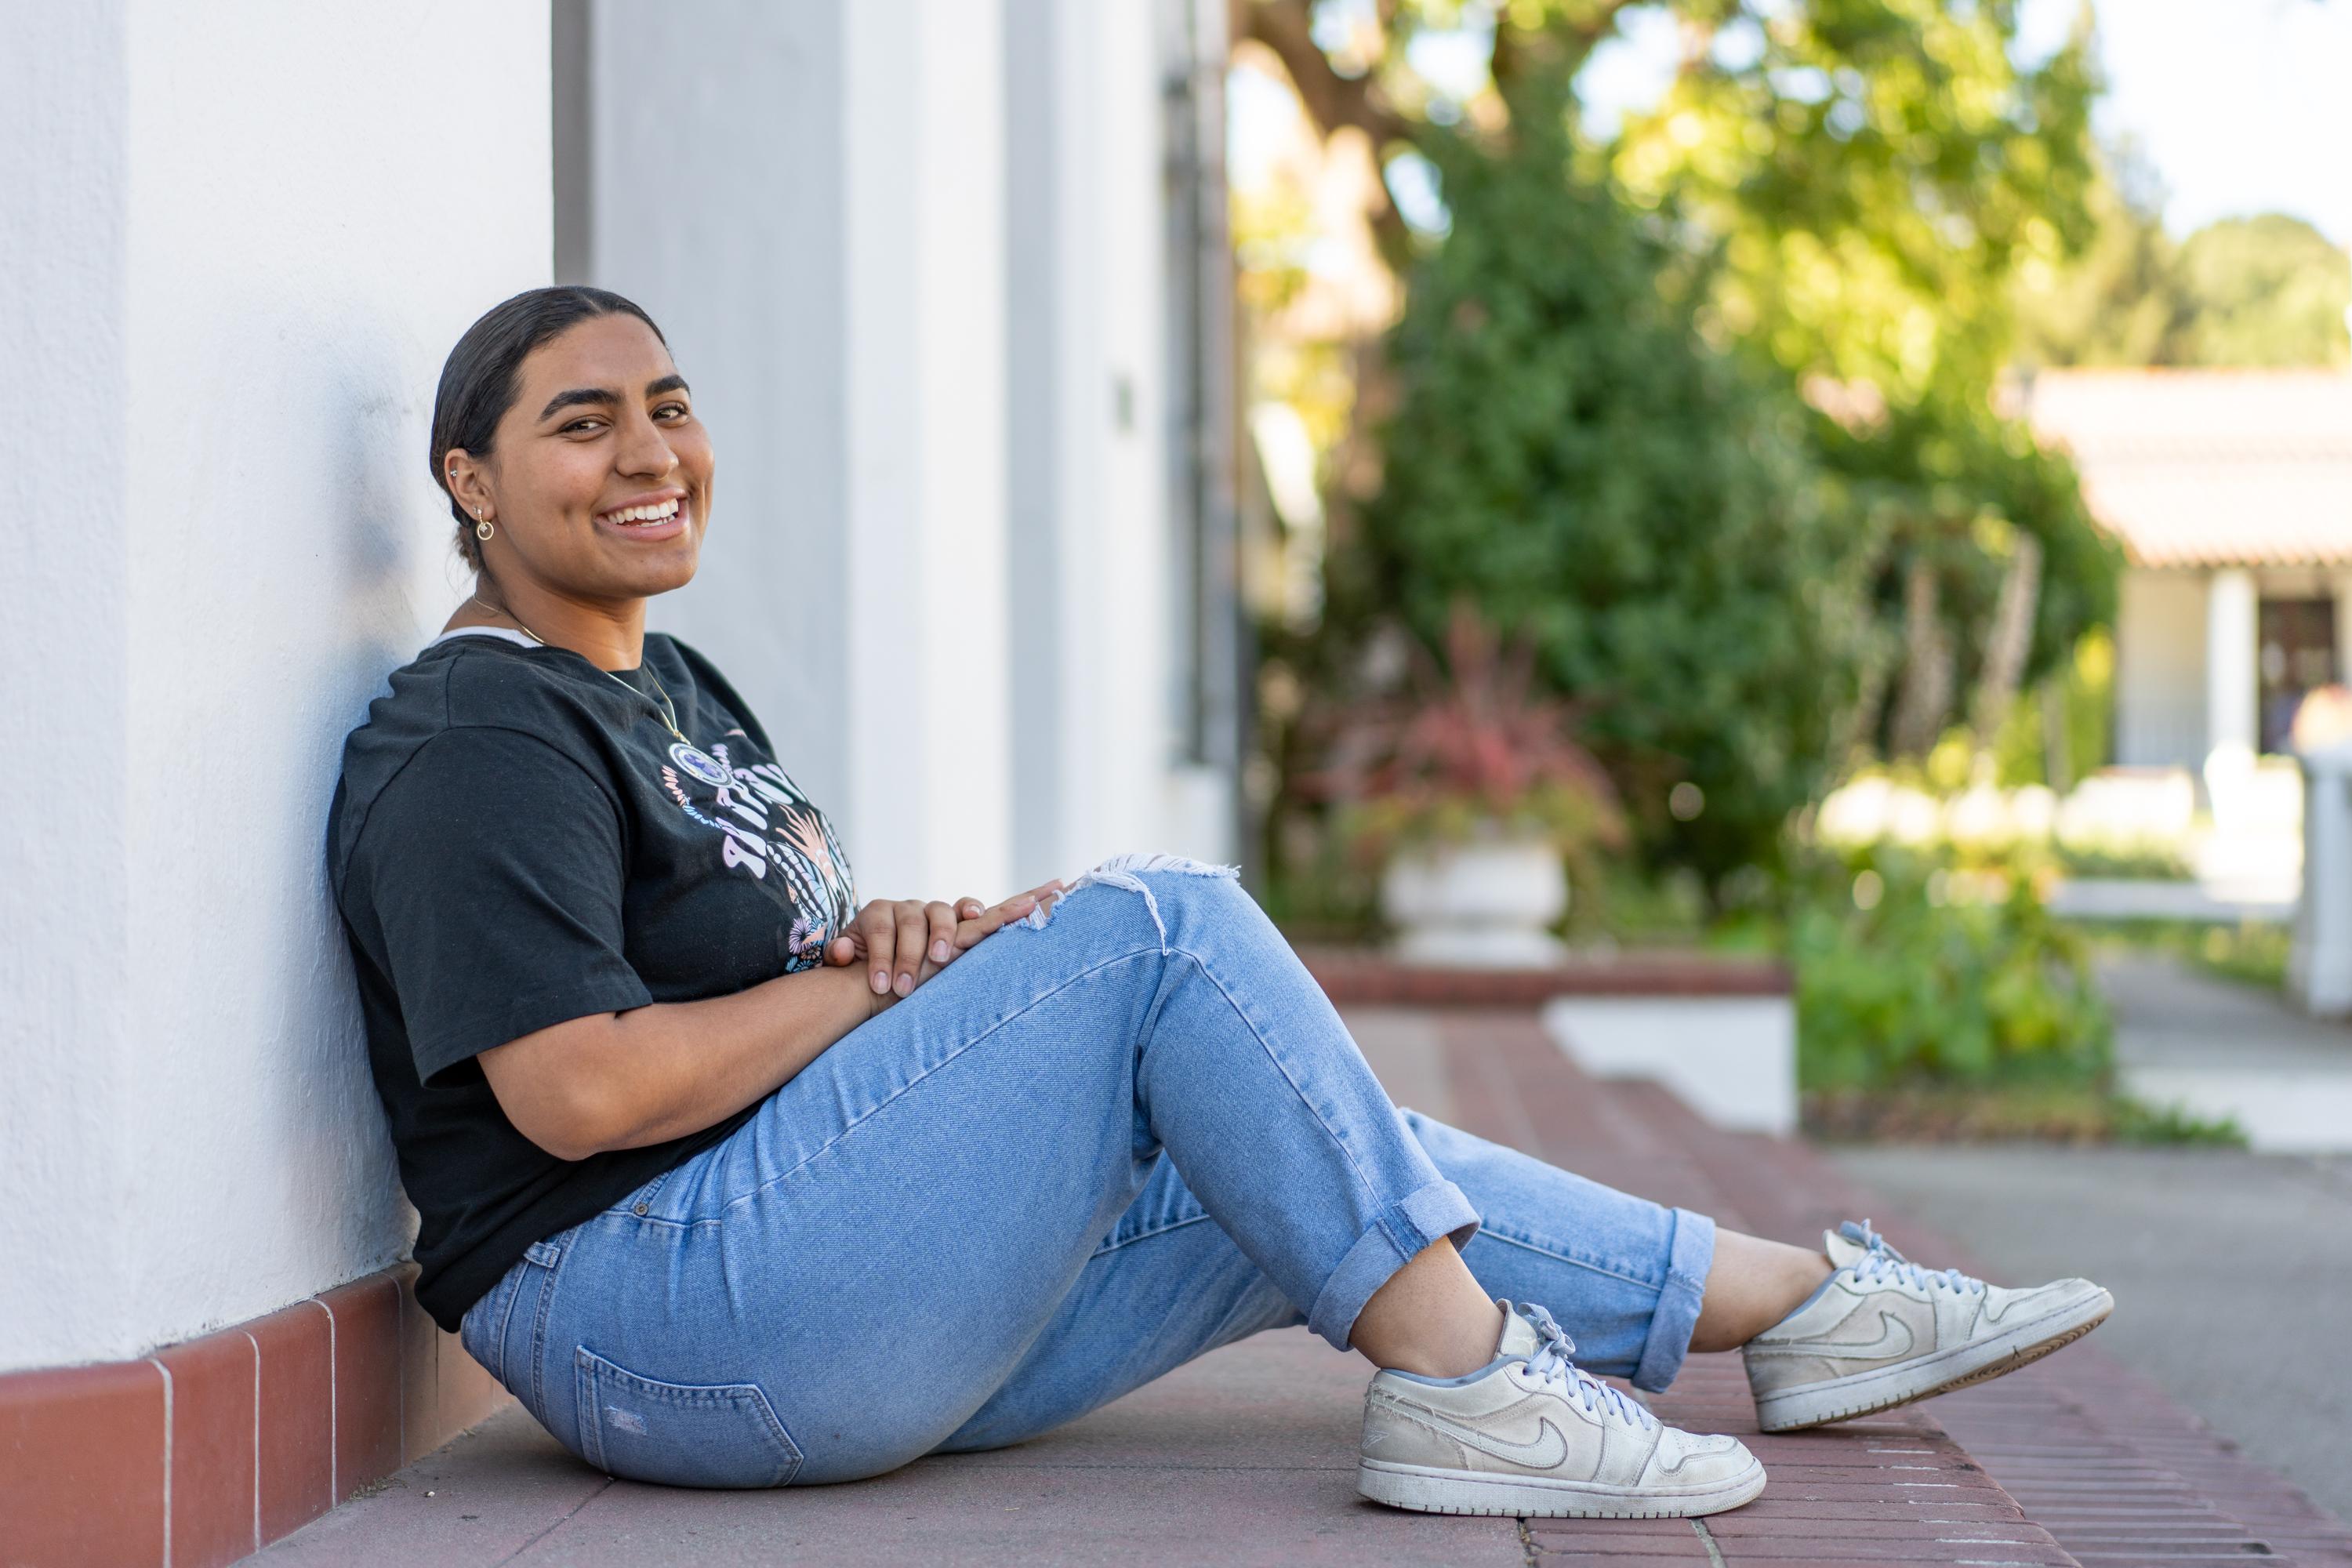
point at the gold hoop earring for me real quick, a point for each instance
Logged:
(482, 527)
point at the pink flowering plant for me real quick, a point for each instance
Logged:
(1468, 749)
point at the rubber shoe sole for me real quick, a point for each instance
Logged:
(1868, 1392)
(1425, 1489)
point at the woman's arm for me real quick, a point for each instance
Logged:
(622, 1080)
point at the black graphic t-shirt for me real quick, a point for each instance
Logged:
(518, 840)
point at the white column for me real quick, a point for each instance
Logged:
(1101, 588)
(2343, 586)
(1115, 733)
(2319, 964)
(930, 775)
(2230, 665)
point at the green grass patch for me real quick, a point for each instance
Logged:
(2003, 1113)
(2150, 865)
(2250, 952)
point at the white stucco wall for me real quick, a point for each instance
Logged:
(249, 234)
(64, 910)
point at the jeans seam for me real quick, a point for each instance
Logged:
(831, 1143)
(1109, 1246)
(1308, 1106)
(505, 1322)
(539, 1334)
(1530, 1244)
(585, 1415)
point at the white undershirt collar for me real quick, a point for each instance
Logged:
(517, 639)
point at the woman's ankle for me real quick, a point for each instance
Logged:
(1752, 1285)
(1430, 1319)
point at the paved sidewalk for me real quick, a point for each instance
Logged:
(1247, 1456)
(2225, 1049)
(2251, 1256)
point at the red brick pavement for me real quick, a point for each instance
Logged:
(2075, 1459)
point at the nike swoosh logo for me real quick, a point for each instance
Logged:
(1895, 1339)
(1546, 1453)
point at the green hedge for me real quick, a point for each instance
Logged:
(1897, 986)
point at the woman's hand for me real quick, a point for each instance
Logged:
(917, 940)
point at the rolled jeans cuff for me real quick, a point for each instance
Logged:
(1687, 1261)
(1396, 1236)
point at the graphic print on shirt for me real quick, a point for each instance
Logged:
(767, 826)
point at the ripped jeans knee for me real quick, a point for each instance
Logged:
(1128, 871)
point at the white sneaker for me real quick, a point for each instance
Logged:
(1883, 1332)
(1529, 1434)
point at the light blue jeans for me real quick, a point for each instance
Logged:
(1091, 1149)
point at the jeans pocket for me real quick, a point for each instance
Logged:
(679, 1433)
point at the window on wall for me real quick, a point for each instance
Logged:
(2297, 642)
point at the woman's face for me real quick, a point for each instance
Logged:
(599, 479)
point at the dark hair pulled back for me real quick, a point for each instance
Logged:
(483, 374)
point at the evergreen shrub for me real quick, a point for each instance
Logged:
(1568, 453)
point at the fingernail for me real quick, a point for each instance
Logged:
(906, 983)
(881, 980)
(939, 951)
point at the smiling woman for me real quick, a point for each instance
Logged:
(574, 466)
(701, 1147)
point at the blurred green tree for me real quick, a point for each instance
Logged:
(2263, 290)
(1833, 197)
(1993, 569)
(1876, 173)
(1571, 454)
(2267, 291)
(2117, 302)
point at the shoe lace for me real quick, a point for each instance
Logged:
(1551, 1363)
(1884, 1263)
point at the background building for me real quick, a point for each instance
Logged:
(2231, 493)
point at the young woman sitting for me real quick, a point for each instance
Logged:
(736, 1181)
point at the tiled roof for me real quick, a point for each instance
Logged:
(2208, 468)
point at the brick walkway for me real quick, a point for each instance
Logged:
(2075, 1458)
(1248, 1455)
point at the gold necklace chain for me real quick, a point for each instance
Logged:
(669, 714)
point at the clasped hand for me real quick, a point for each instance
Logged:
(904, 941)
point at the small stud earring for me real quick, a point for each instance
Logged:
(482, 528)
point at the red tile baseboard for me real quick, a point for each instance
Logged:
(206, 1451)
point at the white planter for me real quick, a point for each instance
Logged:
(1485, 904)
